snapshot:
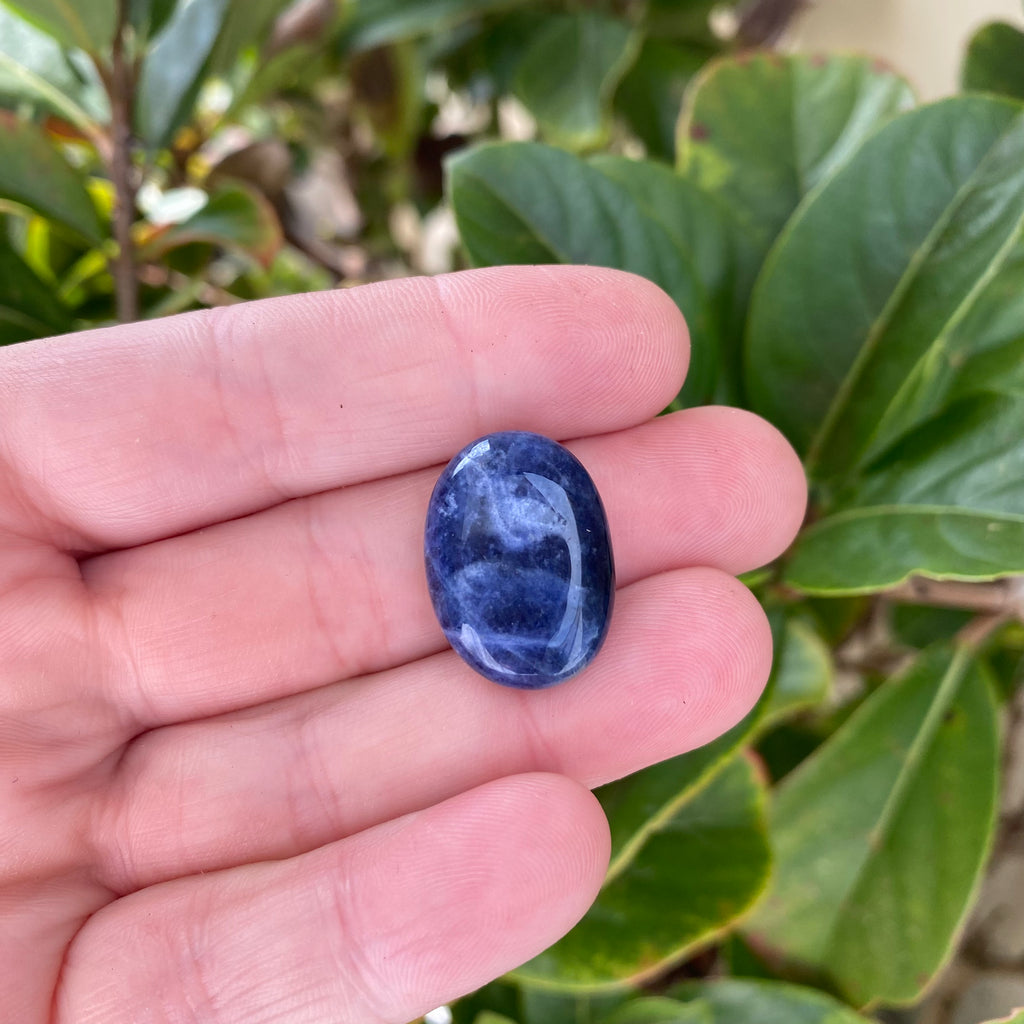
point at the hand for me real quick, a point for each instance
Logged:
(242, 780)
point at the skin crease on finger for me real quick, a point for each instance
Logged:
(100, 454)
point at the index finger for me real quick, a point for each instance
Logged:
(117, 437)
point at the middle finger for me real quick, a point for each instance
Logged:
(332, 586)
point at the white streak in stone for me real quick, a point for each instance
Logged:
(573, 617)
(482, 448)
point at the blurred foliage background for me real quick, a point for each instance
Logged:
(851, 264)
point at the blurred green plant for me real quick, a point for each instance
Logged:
(851, 265)
(162, 155)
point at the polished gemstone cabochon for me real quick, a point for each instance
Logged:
(519, 561)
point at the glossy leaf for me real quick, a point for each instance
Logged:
(982, 351)
(236, 217)
(947, 502)
(877, 269)
(174, 69)
(694, 873)
(881, 834)
(986, 349)
(762, 131)
(88, 26)
(995, 61)
(530, 203)
(568, 75)
(375, 22)
(651, 92)
(969, 457)
(1014, 1018)
(866, 550)
(28, 306)
(734, 1001)
(34, 174)
(34, 69)
(658, 1010)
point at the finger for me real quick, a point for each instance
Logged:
(379, 927)
(116, 437)
(332, 586)
(686, 657)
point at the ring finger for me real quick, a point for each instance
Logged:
(686, 657)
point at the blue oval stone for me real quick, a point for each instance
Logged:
(519, 562)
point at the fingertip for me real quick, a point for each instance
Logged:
(612, 346)
(661, 338)
(741, 659)
(787, 496)
(560, 813)
(747, 492)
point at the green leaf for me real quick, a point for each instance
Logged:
(521, 202)
(375, 22)
(762, 131)
(881, 834)
(499, 997)
(569, 73)
(148, 17)
(547, 1006)
(695, 872)
(866, 550)
(946, 502)
(801, 676)
(236, 217)
(34, 69)
(28, 307)
(246, 23)
(986, 349)
(659, 1010)
(89, 26)
(766, 1002)
(915, 625)
(876, 270)
(983, 351)
(488, 1017)
(34, 174)
(969, 457)
(995, 61)
(651, 92)
(1014, 1018)
(175, 67)
(685, 20)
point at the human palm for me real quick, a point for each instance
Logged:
(243, 780)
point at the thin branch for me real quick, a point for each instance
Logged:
(979, 629)
(159, 276)
(120, 87)
(1003, 597)
(762, 22)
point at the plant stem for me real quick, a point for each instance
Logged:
(762, 22)
(119, 87)
(1003, 597)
